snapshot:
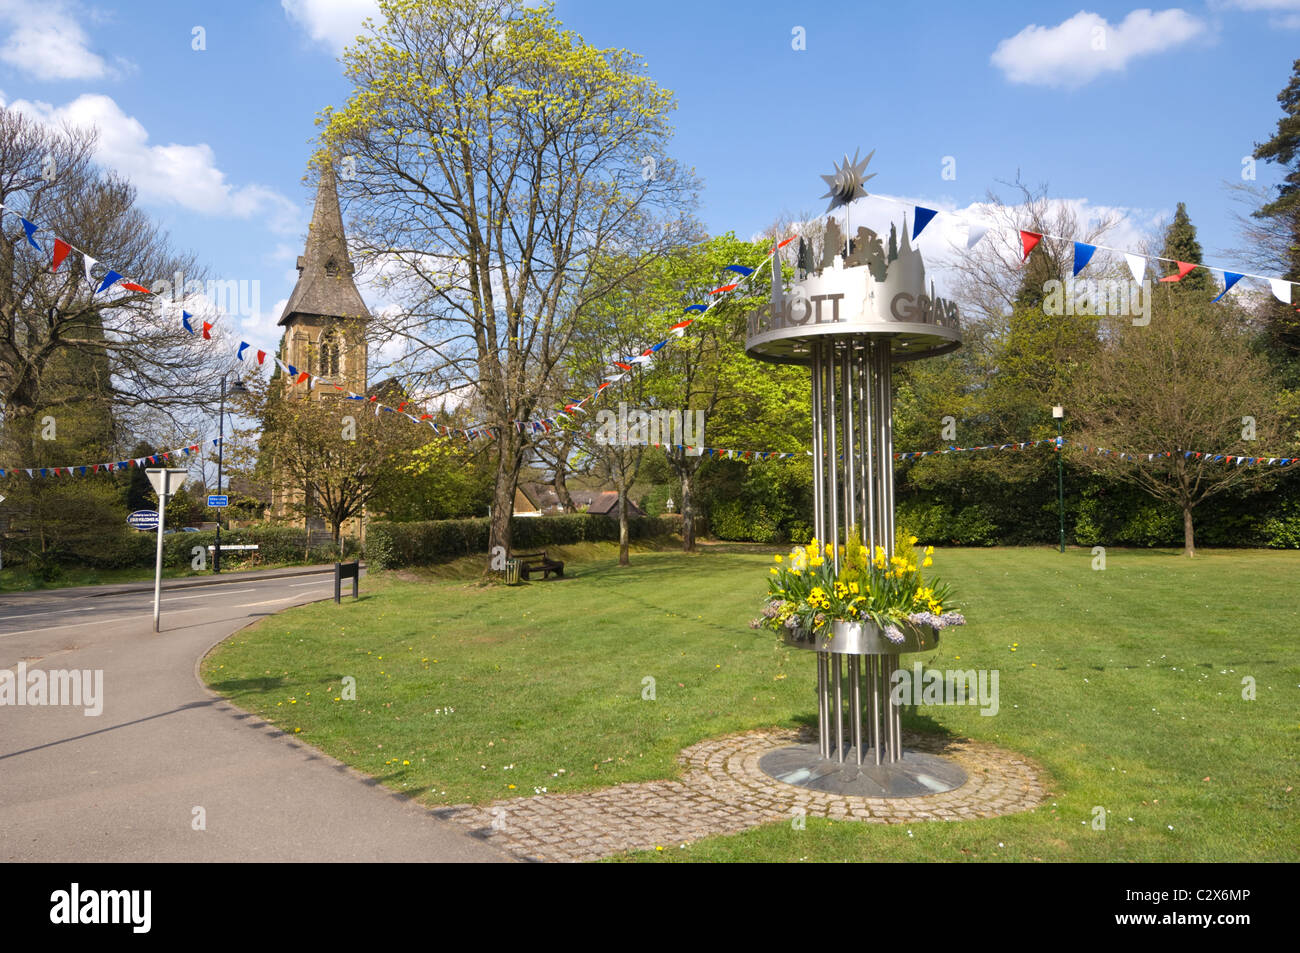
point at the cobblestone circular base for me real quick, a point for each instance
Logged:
(723, 791)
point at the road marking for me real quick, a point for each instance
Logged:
(245, 605)
(319, 582)
(70, 625)
(23, 615)
(200, 596)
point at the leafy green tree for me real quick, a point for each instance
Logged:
(498, 159)
(747, 404)
(1283, 213)
(1181, 245)
(1189, 382)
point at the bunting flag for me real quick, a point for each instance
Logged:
(1281, 289)
(1083, 253)
(974, 233)
(740, 270)
(185, 321)
(138, 289)
(82, 469)
(1137, 266)
(1230, 278)
(696, 307)
(921, 219)
(718, 291)
(89, 263)
(243, 346)
(1184, 269)
(207, 326)
(1029, 241)
(110, 279)
(61, 250)
(31, 230)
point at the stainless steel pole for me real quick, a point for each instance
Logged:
(850, 483)
(855, 703)
(832, 491)
(823, 737)
(819, 524)
(837, 669)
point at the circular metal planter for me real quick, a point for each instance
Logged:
(866, 638)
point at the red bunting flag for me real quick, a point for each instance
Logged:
(207, 326)
(261, 356)
(717, 291)
(1029, 240)
(1184, 268)
(61, 250)
(302, 377)
(131, 286)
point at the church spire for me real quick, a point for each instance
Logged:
(325, 286)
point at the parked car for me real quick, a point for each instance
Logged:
(190, 529)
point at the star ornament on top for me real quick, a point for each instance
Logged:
(845, 184)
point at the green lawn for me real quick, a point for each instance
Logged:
(1124, 684)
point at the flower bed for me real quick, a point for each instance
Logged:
(806, 595)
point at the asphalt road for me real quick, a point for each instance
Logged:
(123, 785)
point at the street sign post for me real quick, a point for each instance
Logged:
(165, 483)
(214, 500)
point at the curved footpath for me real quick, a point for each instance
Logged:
(128, 784)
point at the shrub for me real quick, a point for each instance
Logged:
(393, 545)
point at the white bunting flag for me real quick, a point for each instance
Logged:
(1281, 289)
(90, 263)
(974, 233)
(1138, 266)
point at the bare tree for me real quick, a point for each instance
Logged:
(130, 355)
(990, 275)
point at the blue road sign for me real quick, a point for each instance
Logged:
(143, 519)
(222, 500)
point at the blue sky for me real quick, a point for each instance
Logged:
(1164, 111)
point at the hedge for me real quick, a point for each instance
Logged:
(394, 545)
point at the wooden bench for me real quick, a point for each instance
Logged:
(538, 562)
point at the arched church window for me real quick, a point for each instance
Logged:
(331, 354)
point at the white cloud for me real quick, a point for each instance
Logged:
(184, 175)
(1085, 46)
(47, 41)
(336, 23)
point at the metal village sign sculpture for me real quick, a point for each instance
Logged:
(849, 318)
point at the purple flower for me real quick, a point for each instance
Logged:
(894, 634)
(937, 621)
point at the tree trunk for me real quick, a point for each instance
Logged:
(561, 487)
(688, 512)
(623, 559)
(503, 493)
(1189, 542)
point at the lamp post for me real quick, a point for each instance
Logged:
(1059, 413)
(236, 388)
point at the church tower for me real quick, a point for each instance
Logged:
(324, 325)
(325, 319)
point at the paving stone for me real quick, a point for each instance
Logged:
(723, 791)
